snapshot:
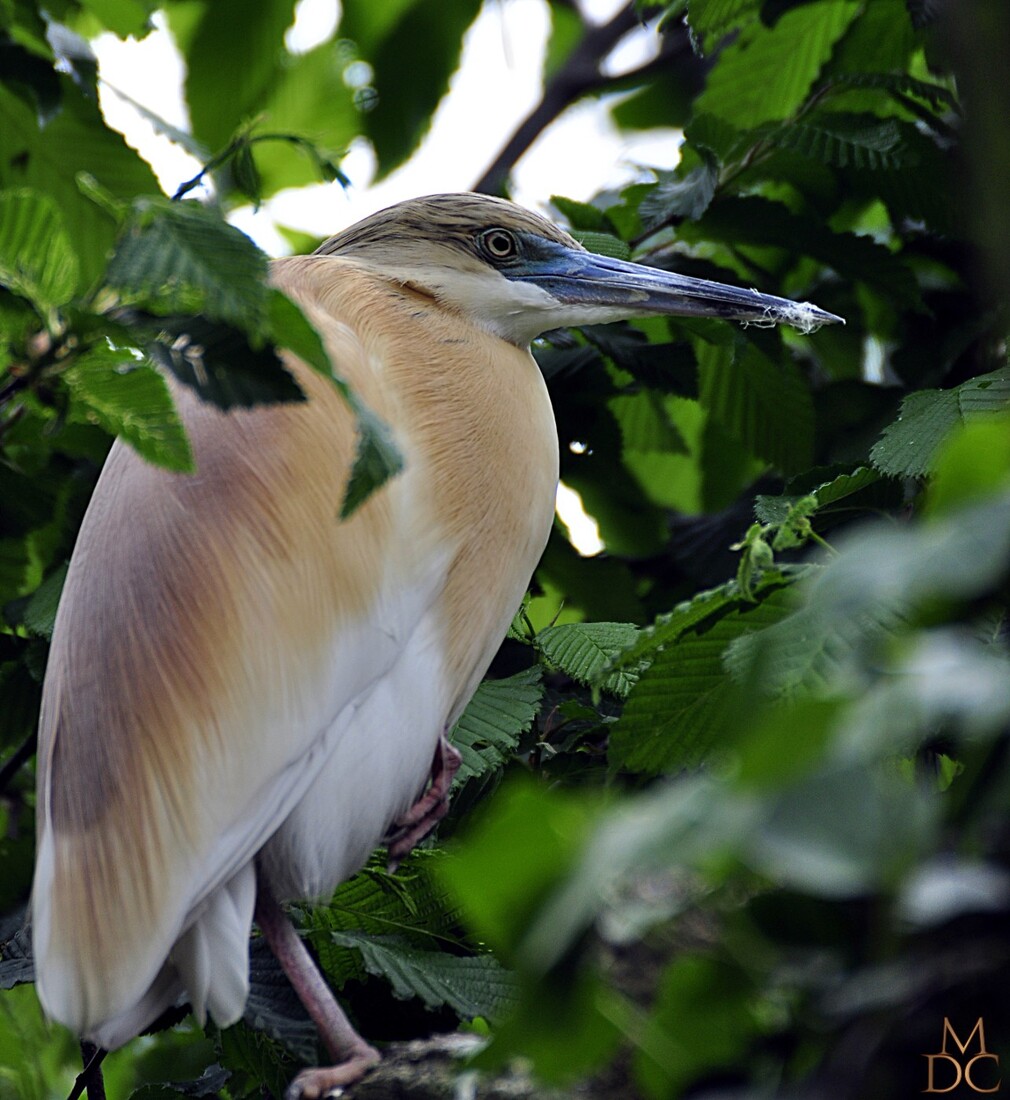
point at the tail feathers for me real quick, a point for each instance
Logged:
(163, 992)
(208, 966)
(212, 956)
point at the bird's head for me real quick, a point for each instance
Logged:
(517, 275)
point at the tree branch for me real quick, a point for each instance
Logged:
(13, 766)
(580, 74)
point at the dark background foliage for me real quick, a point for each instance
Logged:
(732, 819)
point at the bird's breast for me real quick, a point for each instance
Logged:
(474, 419)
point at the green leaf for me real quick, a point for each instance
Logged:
(710, 604)
(36, 258)
(228, 75)
(902, 86)
(767, 73)
(130, 400)
(710, 20)
(169, 248)
(581, 215)
(488, 731)
(676, 711)
(124, 18)
(218, 363)
(765, 404)
(274, 1007)
(646, 425)
(845, 831)
(16, 963)
(424, 40)
(289, 328)
(909, 446)
(757, 221)
(512, 858)
(471, 985)
(770, 509)
(875, 586)
(39, 615)
(973, 462)
(807, 652)
(675, 197)
(309, 98)
(842, 140)
(603, 244)
(48, 159)
(376, 459)
(208, 1086)
(585, 650)
(704, 1019)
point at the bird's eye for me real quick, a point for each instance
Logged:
(499, 244)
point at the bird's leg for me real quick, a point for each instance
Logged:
(349, 1051)
(412, 827)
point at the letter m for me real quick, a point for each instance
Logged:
(948, 1031)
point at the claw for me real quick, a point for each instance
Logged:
(324, 1082)
(412, 827)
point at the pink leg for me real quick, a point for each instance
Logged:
(410, 829)
(346, 1047)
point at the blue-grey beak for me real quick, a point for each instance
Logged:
(584, 279)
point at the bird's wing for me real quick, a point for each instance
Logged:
(212, 628)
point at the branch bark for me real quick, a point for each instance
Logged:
(581, 74)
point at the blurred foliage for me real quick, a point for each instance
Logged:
(734, 801)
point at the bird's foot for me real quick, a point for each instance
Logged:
(413, 826)
(325, 1082)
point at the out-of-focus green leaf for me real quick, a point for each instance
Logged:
(973, 462)
(704, 1018)
(425, 41)
(909, 446)
(824, 835)
(309, 98)
(123, 17)
(229, 74)
(40, 611)
(709, 20)
(512, 857)
(645, 423)
(36, 259)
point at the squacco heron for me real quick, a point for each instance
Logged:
(246, 695)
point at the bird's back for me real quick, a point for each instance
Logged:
(230, 659)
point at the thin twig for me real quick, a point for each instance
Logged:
(13, 766)
(580, 74)
(90, 1077)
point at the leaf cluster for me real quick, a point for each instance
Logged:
(733, 797)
